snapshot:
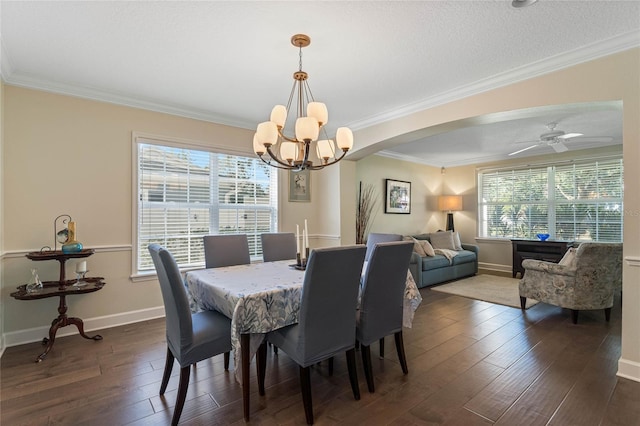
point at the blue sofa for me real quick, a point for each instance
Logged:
(430, 270)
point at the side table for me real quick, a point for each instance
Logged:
(62, 290)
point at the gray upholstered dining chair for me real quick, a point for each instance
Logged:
(278, 246)
(226, 250)
(190, 337)
(381, 303)
(327, 319)
(375, 238)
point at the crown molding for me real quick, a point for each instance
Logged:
(30, 82)
(554, 63)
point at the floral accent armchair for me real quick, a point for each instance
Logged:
(586, 282)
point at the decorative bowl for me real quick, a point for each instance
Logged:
(542, 237)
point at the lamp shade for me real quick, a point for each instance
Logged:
(448, 203)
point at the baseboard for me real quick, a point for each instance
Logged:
(495, 267)
(98, 323)
(629, 369)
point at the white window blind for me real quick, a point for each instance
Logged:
(185, 194)
(581, 201)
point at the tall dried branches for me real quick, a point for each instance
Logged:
(367, 201)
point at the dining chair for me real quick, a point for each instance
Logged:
(278, 246)
(327, 320)
(226, 250)
(374, 238)
(190, 337)
(381, 303)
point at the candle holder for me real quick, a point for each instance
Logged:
(298, 260)
(80, 279)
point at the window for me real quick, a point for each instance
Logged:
(578, 201)
(185, 194)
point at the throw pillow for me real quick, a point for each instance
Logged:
(456, 241)
(442, 240)
(427, 247)
(416, 245)
(569, 258)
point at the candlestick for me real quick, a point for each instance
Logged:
(297, 238)
(306, 234)
(304, 247)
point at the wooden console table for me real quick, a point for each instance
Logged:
(549, 251)
(61, 288)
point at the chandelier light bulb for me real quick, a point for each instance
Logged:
(288, 151)
(267, 133)
(344, 138)
(318, 110)
(325, 149)
(279, 115)
(307, 129)
(258, 148)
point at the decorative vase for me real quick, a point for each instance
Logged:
(72, 246)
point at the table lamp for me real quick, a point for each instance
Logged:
(449, 204)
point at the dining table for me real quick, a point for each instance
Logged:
(260, 297)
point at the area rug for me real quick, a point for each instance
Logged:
(488, 288)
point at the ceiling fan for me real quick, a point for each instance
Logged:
(553, 138)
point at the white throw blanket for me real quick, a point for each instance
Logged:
(449, 254)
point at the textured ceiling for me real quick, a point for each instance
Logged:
(230, 62)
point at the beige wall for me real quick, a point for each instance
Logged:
(612, 78)
(69, 155)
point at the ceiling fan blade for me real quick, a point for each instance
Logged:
(569, 135)
(524, 149)
(559, 147)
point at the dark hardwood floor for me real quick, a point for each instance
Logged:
(470, 363)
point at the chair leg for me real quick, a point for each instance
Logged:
(607, 314)
(353, 374)
(400, 350)
(574, 316)
(226, 361)
(381, 348)
(261, 366)
(182, 394)
(168, 366)
(366, 363)
(523, 303)
(305, 388)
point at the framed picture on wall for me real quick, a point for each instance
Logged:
(300, 186)
(397, 197)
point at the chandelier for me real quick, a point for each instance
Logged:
(292, 152)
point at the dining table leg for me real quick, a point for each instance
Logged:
(245, 343)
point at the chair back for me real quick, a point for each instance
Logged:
(383, 287)
(375, 238)
(599, 263)
(330, 289)
(176, 303)
(226, 250)
(278, 246)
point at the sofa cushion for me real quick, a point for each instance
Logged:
(417, 247)
(464, 256)
(442, 240)
(435, 262)
(456, 241)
